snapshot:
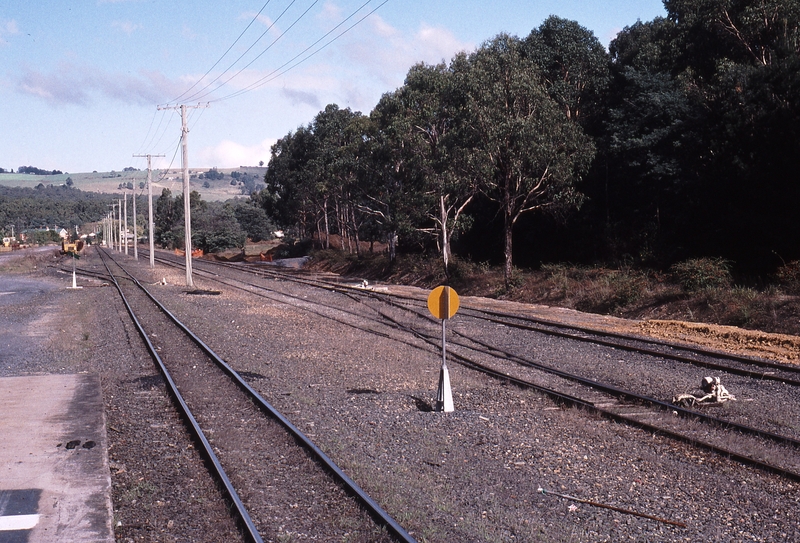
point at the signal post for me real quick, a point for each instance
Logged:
(443, 304)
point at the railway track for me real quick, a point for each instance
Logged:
(701, 357)
(266, 466)
(611, 391)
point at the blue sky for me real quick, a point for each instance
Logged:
(81, 80)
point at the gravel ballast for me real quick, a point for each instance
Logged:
(471, 475)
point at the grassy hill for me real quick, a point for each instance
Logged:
(109, 182)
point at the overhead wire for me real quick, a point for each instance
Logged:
(254, 19)
(277, 72)
(164, 173)
(152, 144)
(274, 74)
(144, 141)
(282, 34)
(197, 95)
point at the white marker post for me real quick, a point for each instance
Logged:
(75, 256)
(443, 304)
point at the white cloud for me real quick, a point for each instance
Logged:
(330, 12)
(302, 97)
(230, 154)
(7, 28)
(76, 84)
(370, 60)
(126, 26)
(439, 44)
(387, 51)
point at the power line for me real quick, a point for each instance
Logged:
(255, 18)
(281, 70)
(277, 72)
(282, 34)
(151, 144)
(144, 141)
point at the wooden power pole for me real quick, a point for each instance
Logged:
(125, 222)
(135, 229)
(150, 207)
(186, 203)
(120, 225)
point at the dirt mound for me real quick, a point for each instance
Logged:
(727, 338)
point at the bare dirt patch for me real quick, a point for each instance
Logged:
(782, 347)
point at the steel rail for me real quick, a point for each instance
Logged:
(642, 339)
(375, 510)
(241, 510)
(660, 354)
(327, 285)
(560, 397)
(614, 391)
(597, 385)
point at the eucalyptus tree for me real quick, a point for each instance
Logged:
(166, 218)
(574, 66)
(215, 228)
(743, 58)
(430, 116)
(525, 152)
(330, 170)
(288, 195)
(257, 225)
(390, 187)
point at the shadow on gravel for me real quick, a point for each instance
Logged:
(251, 376)
(422, 405)
(362, 391)
(149, 382)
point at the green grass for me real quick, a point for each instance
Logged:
(108, 182)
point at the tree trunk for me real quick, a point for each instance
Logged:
(508, 230)
(445, 236)
(339, 223)
(327, 226)
(346, 221)
(354, 227)
(392, 246)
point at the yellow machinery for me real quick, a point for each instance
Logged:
(9, 244)
(73, 247)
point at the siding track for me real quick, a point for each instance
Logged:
(629, 379)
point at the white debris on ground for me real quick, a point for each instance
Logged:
(715, 394)
(366, 286)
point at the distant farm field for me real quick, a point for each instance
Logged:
(109, 182)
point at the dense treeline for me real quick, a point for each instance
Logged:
(37, 171)
(681, 141)
(51, 206)
(215, 225)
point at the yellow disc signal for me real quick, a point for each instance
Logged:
(443, 302)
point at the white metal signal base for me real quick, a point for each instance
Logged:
(74, 281)
(444, 396)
